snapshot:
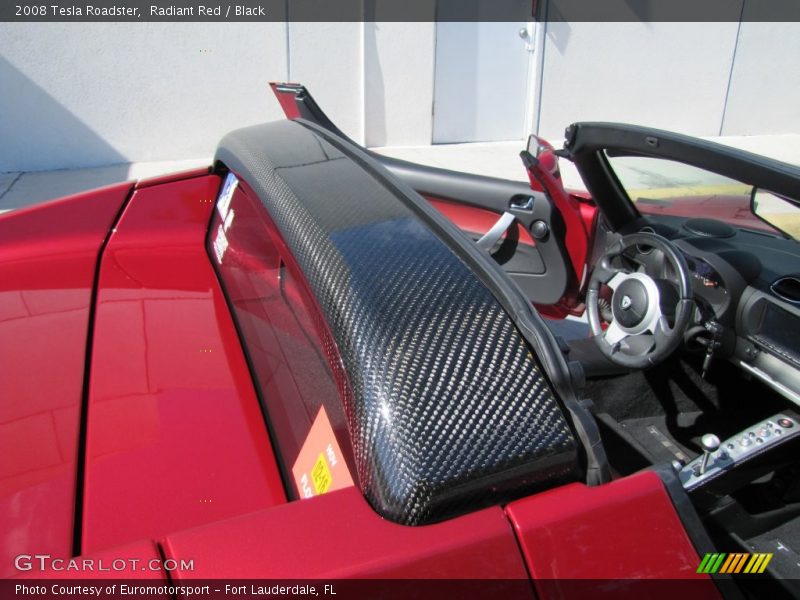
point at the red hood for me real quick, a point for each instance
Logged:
(49, 256)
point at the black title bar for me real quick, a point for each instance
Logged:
(398, 10)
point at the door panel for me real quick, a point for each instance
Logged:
(480, 82)
(517, 253)
(541, 268)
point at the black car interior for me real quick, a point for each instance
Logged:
(722, 407)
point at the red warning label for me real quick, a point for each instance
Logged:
(319, 467)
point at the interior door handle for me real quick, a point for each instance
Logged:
(491, 237)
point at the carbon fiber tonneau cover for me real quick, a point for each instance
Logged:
(446, 406)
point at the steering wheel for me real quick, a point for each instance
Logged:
(639, 335)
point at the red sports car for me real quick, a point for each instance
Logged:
(310, 362)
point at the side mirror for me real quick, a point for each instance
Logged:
(776, 211)
(545, 153)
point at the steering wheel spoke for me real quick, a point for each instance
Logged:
(614, 334)
(662, 333)
(615, 280)
(639, 345)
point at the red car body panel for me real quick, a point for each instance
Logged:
(563, 532)
(175, 434)
(338, 535)
(170, 177)
(286, 101)
(47, 276)
(623, 530)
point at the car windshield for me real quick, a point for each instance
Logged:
(663, 187)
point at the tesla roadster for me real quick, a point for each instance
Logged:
(310, 361)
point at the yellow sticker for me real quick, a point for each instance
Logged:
(319, 467)
(321, 475)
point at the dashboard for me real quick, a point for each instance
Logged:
(746, 281)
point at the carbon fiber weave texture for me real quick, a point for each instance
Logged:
(448, 409)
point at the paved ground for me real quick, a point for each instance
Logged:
(18, 190)
(499, 159)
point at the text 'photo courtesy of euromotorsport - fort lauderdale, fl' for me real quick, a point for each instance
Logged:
(181, 591)
(375, 299)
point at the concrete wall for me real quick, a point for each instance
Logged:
(704, 79)
(90, 94)
(76, 95)
(398, 72)
(668, 75)
(764, 92)
(328, 59)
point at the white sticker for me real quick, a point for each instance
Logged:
(228, 221)
(220, 244)
(226, 195)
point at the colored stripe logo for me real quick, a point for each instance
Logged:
(737, 562)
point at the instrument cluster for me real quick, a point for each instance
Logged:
(707, 281)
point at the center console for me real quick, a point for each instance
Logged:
(747, 491)
(737, 451)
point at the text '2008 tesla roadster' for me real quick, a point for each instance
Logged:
(309, 361)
